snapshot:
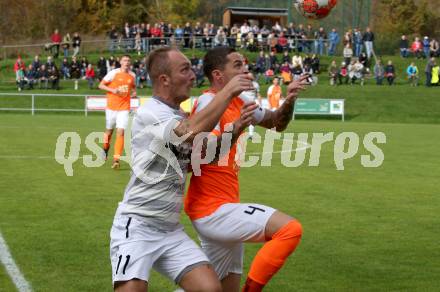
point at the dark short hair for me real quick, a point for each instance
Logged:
(158, 63)
(215, 59)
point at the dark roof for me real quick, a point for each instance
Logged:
(258, 11)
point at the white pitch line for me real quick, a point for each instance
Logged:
(12, 268)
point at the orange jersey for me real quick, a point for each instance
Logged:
(217, 185)
(274, 96)
(125, 82)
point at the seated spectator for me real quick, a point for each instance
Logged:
(297, 60)
(20, 78)
(54, 78)
(141, 76)
(268, 75)
(416, 48)
(286, 57)
(274, 93)
(250, 42)
(102, 68)
(297, 71)
(286, 75)
(404, 46)
(207, 40)
(75, 69)
(315, 64)
(413, 74)
(65, 69)
(274, 61)
(390, 72)
(84, 65)
(36, 62)
(348, 53)
(333, 73)
(343, 73)
(43, 77)
(31, 76)
(90, 76)
(356, 72)
(379, 72)
(309, 71)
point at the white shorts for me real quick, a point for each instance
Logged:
(223, 232)
(135, 248)
(118, 119)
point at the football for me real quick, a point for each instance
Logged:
(315, 9)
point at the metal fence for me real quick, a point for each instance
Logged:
(32, 108)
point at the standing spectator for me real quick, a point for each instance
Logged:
(348, 53)
(426, 47)
(56, 41)
(309, 37)
(428, 71)
(76, 43)
(390, 72)
(187, 34)
(434, 48)
(368, 39)
(435, 75)
(357, 42)
(333, 40)
(348, 38)
(113, 36)
(282, 43)
(333, 73)
(233, 36)
(138, 43)
(416, 48)
(301, 36)
(66, 44)
(413, 74)
(379, 72)
(320, 39)
(90, 76)
(19, 65)
(404, 46)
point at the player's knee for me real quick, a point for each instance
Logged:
(209, 286)
(290, 231)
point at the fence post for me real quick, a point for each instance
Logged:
(85, 105)
(33, 105)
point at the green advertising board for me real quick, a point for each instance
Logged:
(319, 106)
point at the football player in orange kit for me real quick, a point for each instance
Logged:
(213, 203)
(120, 86)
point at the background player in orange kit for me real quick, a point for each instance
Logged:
(212, 202)
(120, 86)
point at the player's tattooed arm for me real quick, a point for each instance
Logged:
(281, 118)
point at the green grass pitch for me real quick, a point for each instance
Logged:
(364, 229)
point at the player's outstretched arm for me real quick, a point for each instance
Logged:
(207, 118)
(280, 118)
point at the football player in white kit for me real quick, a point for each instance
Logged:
(146, 232)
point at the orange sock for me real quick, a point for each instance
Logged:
(119, 147)
(107, 139)
(271, 257)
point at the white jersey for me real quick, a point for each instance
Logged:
(155, 191)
